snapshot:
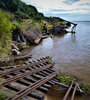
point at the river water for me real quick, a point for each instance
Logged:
(71, 54)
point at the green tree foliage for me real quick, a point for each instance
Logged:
(10, 5)
(20, 8)
(55, 20)
(5, 32)
(39, 16)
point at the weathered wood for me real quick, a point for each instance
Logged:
(67, 93)
(65, 86)
(72, 98)
(32, 94)
(32, 87)
(40, 77)
(17, 58)
(31, 76)
(42, 88)
(14, 58)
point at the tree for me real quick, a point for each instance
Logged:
(20, 8)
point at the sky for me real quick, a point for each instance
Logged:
(72, 10)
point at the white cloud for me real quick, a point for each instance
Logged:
(70, 12)
(47, 6)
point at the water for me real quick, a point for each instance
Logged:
(70, 52)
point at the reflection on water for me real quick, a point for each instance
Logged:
(73, 37)
(48, 44)
(57, 93)
(70, 52)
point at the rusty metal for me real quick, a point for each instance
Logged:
(32, 87)
(72, 98)
(18, 68)
(65, 86)
(32, 94)
(67, 93)
(43, 68)
(38, 60)
(17, 77)
(79, 88)
(74, 91)
(45, 73)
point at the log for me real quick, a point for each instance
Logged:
(32, 94)
(42, 88)
(39, 77)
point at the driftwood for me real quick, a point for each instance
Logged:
(17, 58)
(18, 43)
(13, 58)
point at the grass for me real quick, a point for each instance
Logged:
(84, 86)
(3, 95)
(67, 79)
(5, 46)
(26, 47)
(50, 60)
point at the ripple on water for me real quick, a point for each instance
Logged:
(70, 52)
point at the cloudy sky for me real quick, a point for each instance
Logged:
(74, 10)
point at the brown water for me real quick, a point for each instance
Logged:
(71, 54)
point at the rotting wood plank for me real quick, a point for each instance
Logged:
(18, 68)
(44, 88)
(32, 87)
(72, 98)
(66, 86)
(67, 93)
(32, 94)
(15, 78)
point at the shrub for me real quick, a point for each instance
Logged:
(5, 33)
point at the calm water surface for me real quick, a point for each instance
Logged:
(71, 54)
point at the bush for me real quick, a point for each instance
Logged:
(5, 33)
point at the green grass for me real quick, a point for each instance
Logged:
(3, 95)
(26, 47)
(84, 86)
(67, 79)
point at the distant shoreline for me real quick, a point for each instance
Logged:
(81, 21)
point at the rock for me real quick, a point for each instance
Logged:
(33, 36)
(15, 52)
(18, 36)
(15, 47)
